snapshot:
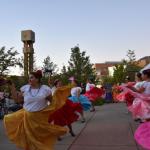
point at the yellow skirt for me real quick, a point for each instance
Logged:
(31, 130)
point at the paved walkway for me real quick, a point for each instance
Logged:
(109, 128)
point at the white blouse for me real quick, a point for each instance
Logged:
(138, 85)
(146, 85)
(35, 99)
(74, 91)
(89, 86)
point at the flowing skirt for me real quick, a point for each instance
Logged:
(142, 135)
(31, 130)
(94, 94)
(86, 104)
(140, 108)
(67, 114)
(138, 104)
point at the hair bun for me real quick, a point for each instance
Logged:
(39, 73)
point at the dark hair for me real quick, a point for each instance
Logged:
(139, 75)
(37, 74)
(146, 72)
(77, 82)
(90, 79)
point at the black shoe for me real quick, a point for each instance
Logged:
(72, 134)
(83, 121)
(59, 139)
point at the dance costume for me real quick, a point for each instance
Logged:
(94, 94)
(28, 128)
(138, 103)
(66, 115)
(142, 135)
(86, 104)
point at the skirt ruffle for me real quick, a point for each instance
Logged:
(94, 94)
(138, 104)
(31, 130)
(142, 135)
(140, 109)
(67, 114)
(86, 104)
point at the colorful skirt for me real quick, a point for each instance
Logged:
(31, 130)
(140, 108)
(67, 114)
(94, 94)
(142, 135)
(83, 100)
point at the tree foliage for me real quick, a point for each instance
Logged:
(48, 64)
(8, 59)
(131, 64)
(119, 73)
(79, 65)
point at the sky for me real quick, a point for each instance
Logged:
(106, 29)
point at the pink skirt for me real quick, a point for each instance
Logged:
(140, 108)
(142, 135)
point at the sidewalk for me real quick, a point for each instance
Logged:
(109, 128)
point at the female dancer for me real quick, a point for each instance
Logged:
(93, 93)
(66, 115)
(139, 81)
(76, 97)
(89, 86)
(140, 103)
(29, 128)
(142, 134)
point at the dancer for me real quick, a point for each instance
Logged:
(138, 100)
(28, 128)
(77, 97)
(66, 115)
(139, 81)
(89, 86)
(141, 108)
(94, 94)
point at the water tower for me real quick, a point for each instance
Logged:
(28, 38)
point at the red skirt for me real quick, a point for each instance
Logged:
(94, 93)
(67, 114)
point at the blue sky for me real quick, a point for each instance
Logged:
(106, 29)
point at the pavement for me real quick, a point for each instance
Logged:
(110, 127)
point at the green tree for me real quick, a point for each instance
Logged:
(80, 66)
(64, 75)
(49, 65)
(131, 64)
(8, 59)
(119, 73)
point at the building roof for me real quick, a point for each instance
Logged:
(143, 58)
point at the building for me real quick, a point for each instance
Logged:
(103, 69)
(142, 62)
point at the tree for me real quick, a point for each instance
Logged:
(131, 64)
(131, 56)
(8, 59)
(80, 66)
(119, 73)
(64, 75)
(48, 65)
